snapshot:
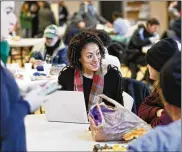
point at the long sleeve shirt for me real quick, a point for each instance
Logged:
(139, 39)
(148, 108)
(160, 139)
(13, 111)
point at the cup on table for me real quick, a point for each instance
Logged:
(47, 68)
(28, 67)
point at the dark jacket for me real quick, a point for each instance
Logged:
(72, 29)
(112, 83)
(137, 89)
(63, 14)
(148, 108)
(90, 19)
(13, 111)
(139, 39)
(45, 18)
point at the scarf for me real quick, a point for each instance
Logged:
(97, 85)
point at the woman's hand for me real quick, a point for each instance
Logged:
(36, 62)
(159, 112)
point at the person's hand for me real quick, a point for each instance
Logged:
(159, 112)
(153, 39)
(173, 4)
(157, 37)
(36, 62)
(81, 25)
(109, 24)
(34, 99)
(39, 95)
(34, 86)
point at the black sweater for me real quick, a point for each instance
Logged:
(112, 84)
(139, 39)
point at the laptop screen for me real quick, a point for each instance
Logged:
(66, 106)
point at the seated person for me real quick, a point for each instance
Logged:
(120, 24)
(143, 36)
(152, 109)
(174, 32)
(85, 54)
(74, 26)
(166, 138)
(52, 51)
(162, 138)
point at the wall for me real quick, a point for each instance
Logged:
(159, 11)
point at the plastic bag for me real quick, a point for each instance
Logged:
(114, 123)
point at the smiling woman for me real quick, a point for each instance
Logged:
(85, 54)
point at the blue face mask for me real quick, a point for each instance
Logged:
(4, 51)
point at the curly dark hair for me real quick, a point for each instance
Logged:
(103, 35)
(153, 21)
(78, 42)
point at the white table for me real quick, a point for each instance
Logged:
(25, 42)
(22, 43)
(104, 27)
(26, 82)
(42, 135)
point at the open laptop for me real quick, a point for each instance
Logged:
(66, 106)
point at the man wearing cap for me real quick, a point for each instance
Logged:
(166, 138)
(52, 50)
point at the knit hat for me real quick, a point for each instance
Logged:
(51, 31)
(160, 52)
(170, 80)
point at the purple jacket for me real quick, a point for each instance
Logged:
(148, 108)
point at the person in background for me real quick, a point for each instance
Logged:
(14, 107)
(85, 54)
(74, 26)
(52, 50)
(45, 17)
(34, 8)
(174, 32)
(63, 13)
(26, 20)
(165, 138)
(116, 49)
(174, 11)
(7, 27)
(120, 25)
(143, 36)
(88, 14)
(152, 109)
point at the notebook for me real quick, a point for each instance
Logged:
(66, 106)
